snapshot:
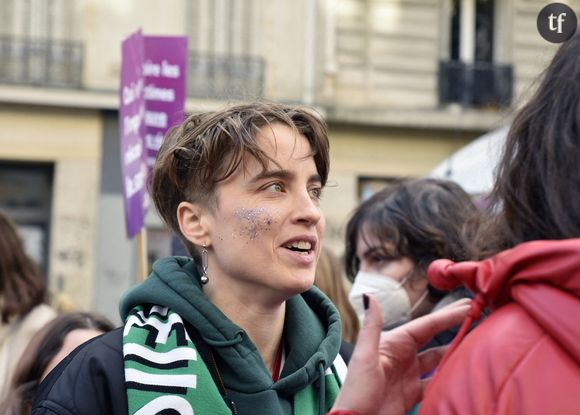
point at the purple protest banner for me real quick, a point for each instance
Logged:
(131, 132)
(165, 72)
(152, 97)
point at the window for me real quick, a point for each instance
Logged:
(368, 186)
(223, 62)
(481, 40)
(37, 43)
(471, 76)
(26, 197)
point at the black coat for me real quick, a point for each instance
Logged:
(100, 384)
(96, 376)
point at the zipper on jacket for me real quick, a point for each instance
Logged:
(209, 359)
(221, 385)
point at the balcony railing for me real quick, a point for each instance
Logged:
(43, 62)
(225, 77)
(480, 84)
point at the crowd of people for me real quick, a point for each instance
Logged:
(24, 305)
(34, 337)
(524, 357)
(452, 310)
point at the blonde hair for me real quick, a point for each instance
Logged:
(331, 281)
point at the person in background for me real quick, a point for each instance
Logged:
(46, 349)
(23, 297)
(393, 236)
(331, 281)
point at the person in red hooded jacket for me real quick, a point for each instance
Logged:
(524, 359)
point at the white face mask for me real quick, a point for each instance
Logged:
(392, 297)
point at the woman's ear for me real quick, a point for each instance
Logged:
(193, 223)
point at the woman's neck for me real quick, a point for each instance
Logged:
(263, 323)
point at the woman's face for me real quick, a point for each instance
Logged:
(381, 258)
(267, 229)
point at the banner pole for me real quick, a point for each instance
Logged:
(142, 265)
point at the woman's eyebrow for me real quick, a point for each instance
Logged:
(272, 174)
(283, 175)
(381, 250)
(315, 178)
(372, 250)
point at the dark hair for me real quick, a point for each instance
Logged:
(536, 191)
(208, 148)
(424, 219)
(21, 284)
(43, 347)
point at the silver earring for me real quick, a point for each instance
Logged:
(204, 278)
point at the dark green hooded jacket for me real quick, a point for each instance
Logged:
(312, 335)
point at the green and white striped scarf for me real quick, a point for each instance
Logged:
(165, 375)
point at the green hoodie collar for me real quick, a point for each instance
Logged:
(312, 330)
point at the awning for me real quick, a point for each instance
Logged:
(473, 166)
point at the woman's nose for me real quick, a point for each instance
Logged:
(306, 209)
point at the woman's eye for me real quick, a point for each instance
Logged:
(275, 187)
(316, 193)
(377, 259)
(382, 258)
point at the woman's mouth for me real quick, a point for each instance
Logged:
(301, 250)
(299, 246)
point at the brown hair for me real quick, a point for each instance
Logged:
(536, 191)
(424, 219)
(330, 280)
(43, 347)
(208, 148)
(21, 285)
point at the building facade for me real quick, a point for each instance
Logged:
(402, 84)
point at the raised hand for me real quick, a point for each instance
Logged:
(384, 374)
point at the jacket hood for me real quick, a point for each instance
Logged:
(312, 330)
(543, 277)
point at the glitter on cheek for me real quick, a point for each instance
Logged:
(253, 222)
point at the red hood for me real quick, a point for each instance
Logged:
(543, 277)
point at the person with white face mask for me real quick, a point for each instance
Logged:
(392, 238)
(390, 293)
